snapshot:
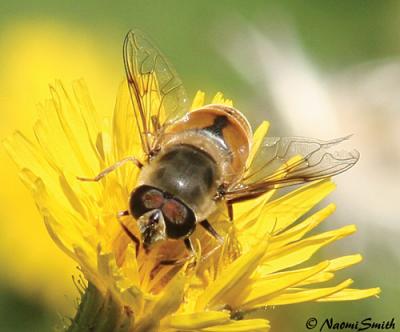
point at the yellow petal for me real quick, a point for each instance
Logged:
(198, 100)
(87, 111)
(219, 99)
(125, 136)
(130, 269)
(307, 295)
(318, 278)
(246, 215)
(166, 303)
(350, 294)
(87, 262)
(198, 320)
(232, 278)
(344, 261)
(258, 137)
(28, 156)
(296, 232)
(246, 325)
(73, 128)
(69, 226)
(260, 290)
(287, 209)
(334, 265)
(299, 252)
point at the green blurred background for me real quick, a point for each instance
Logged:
(344, 44)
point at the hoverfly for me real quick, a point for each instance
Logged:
(195, 159)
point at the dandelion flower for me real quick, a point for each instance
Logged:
(257, 266)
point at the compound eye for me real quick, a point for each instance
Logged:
(179, 219)
(153, 199)
(144, 199)
(174, 211)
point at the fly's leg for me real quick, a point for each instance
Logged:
(155, 122)
(221, 192)
(230, 210)
(175, 262)
(211, 230)
(127, 231)
(189, 246)
(112, 168)
(180, 261)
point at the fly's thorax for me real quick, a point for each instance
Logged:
(220, 131)
(187, 173)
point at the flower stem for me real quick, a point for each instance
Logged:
(100, 313)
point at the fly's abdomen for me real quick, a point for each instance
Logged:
(186, 172)
(219, 130)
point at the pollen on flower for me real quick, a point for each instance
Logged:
(257, 265)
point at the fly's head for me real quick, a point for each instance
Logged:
(160, 216)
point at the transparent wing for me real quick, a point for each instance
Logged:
(158, 95)
(286, 161)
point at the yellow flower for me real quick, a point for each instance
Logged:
(255, 267)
